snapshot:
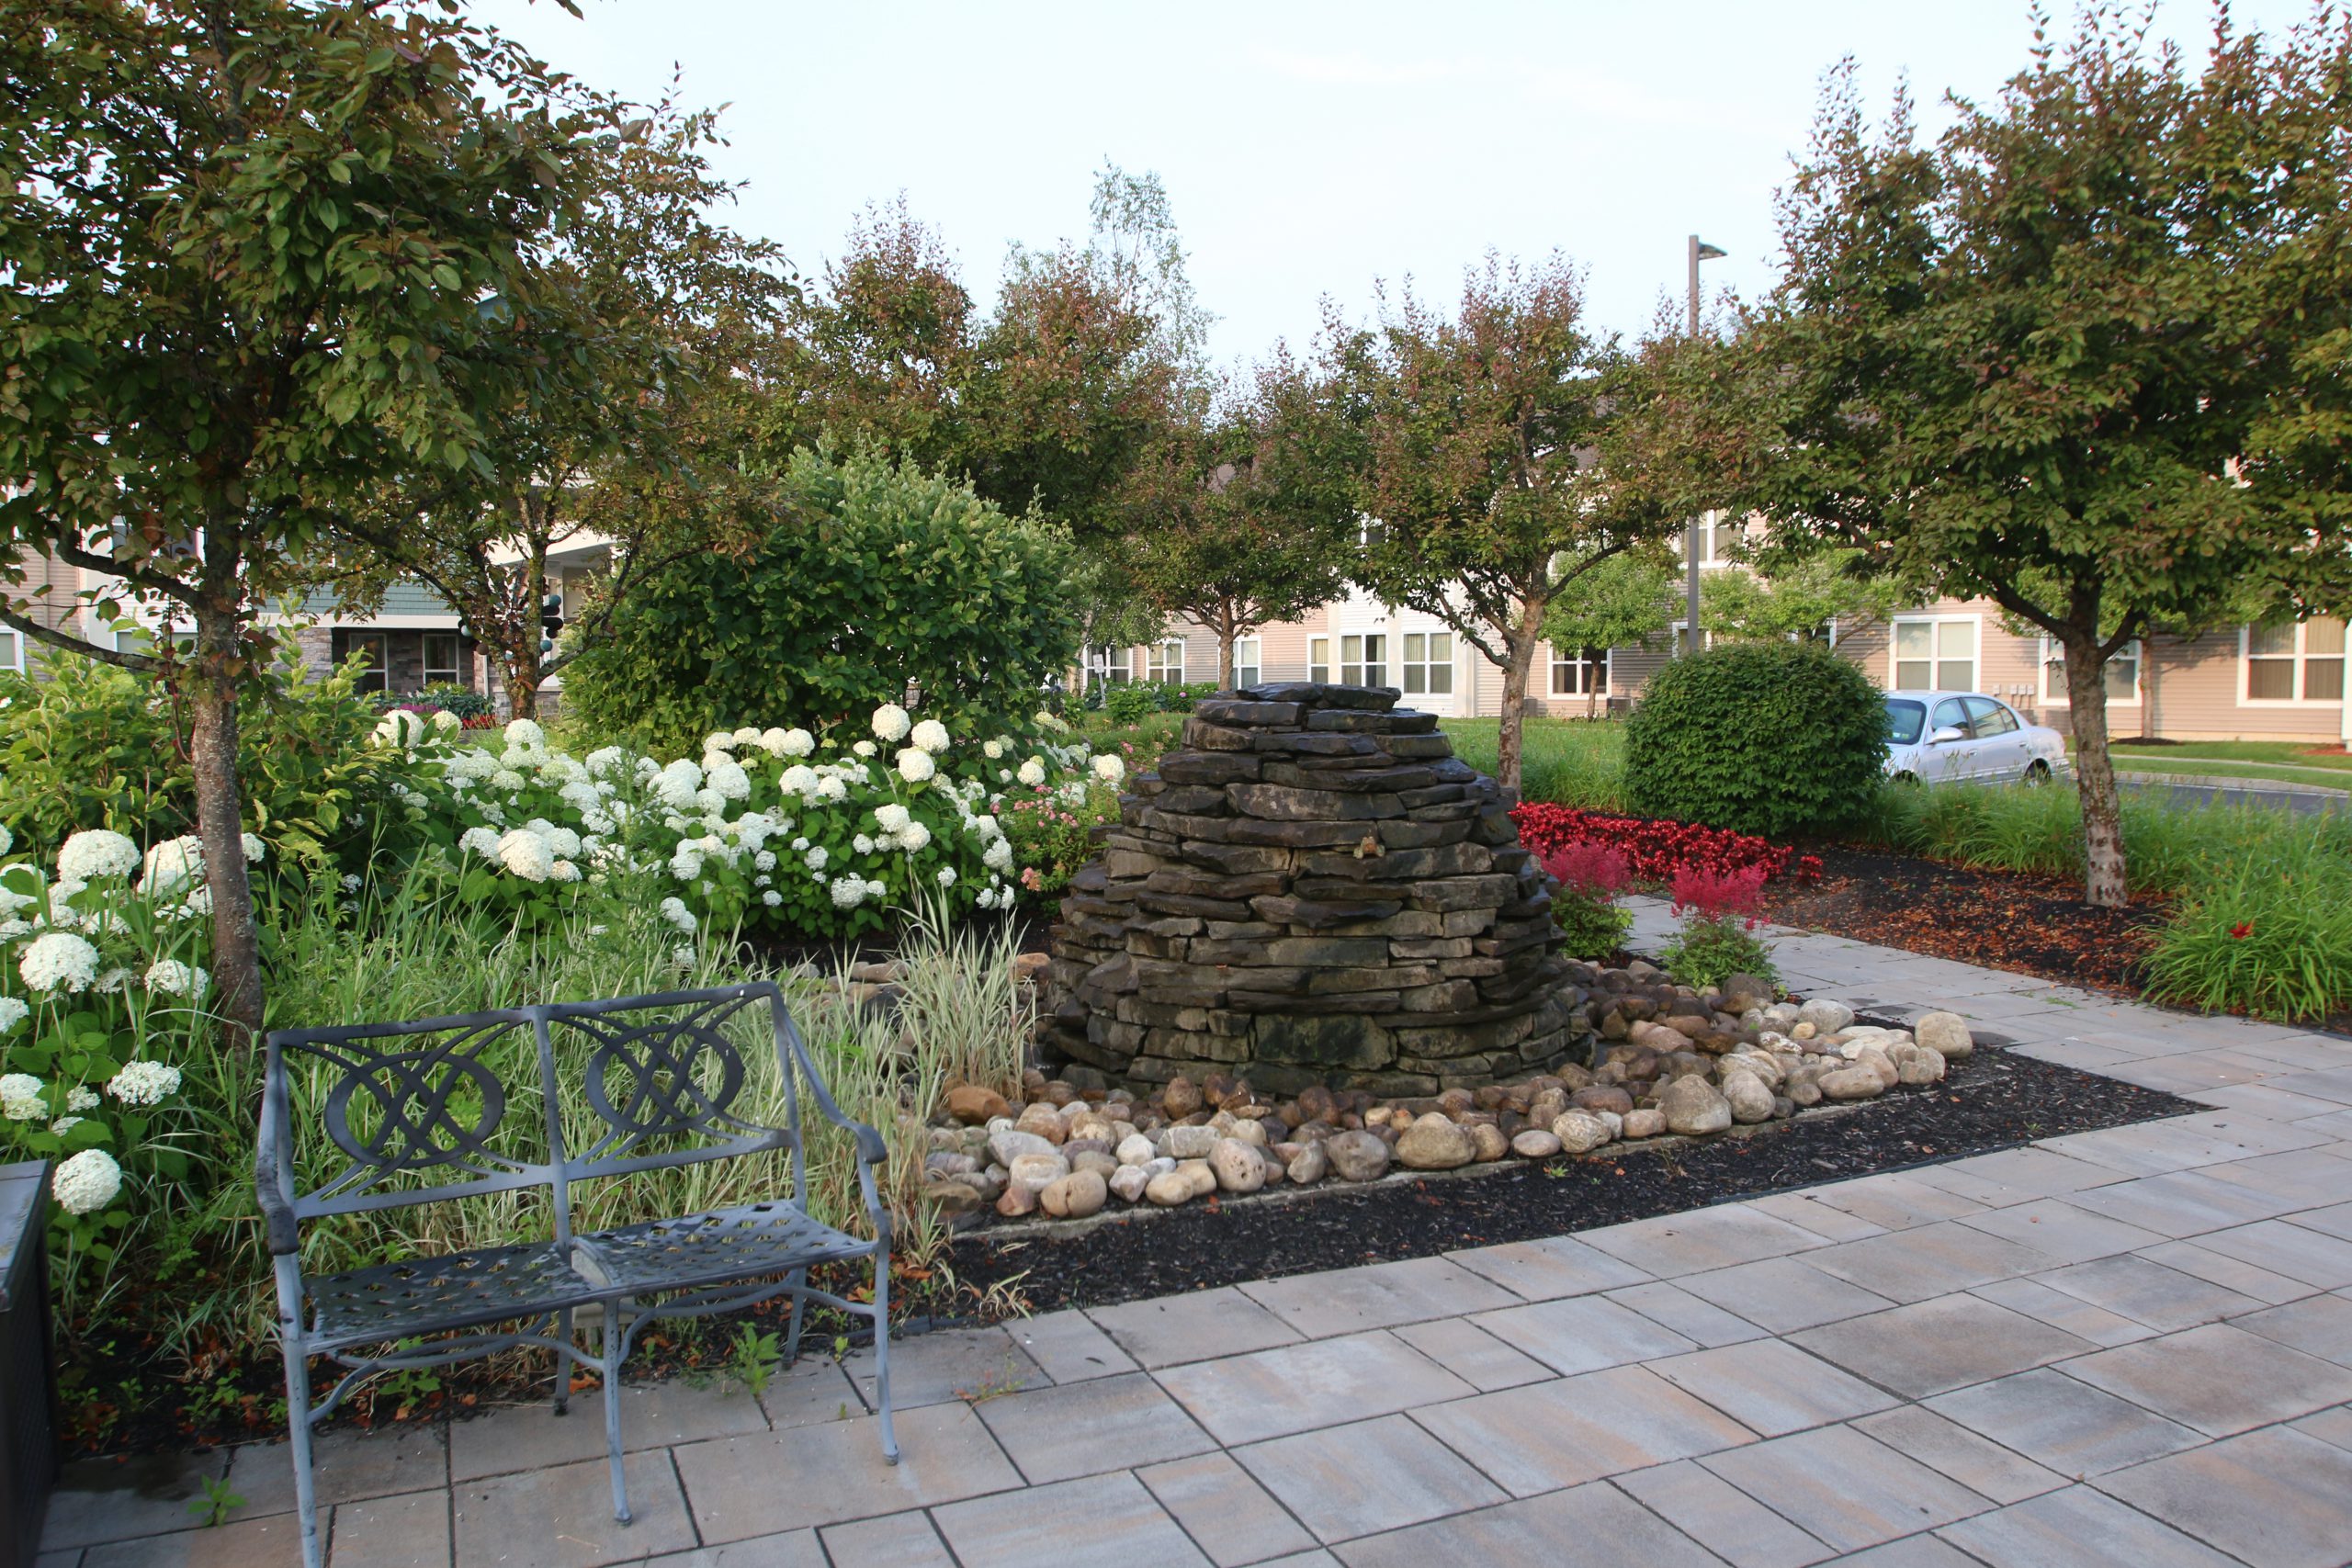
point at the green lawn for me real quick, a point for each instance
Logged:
(1570, 761)
(2280, 762)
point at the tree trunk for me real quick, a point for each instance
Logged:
(2151, 721)
(2103, 871)
(1520, 648)
(236, 950)
(1225, 641)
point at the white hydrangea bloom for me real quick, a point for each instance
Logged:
(8, 841)
(890, 722)
(998, 856)
(718, 740)
(523, 733)
(80, 1098)
(686, 862)
(606, 760)
(818, 856)
(478, 841)
(915, 766)
(892, 818)
(731, 781)
(400, 728)
(770, 898)
(562, 842)
(255, 851)
(992, 749)
(799, 779)
(796, 742)
(11, 930)
(1109, 767)
(848, 892)
(506, 779)
(674, 910)
(12, 1012)
(930, 736)
(446, 722)
(862, 844)
(914, 837)
(59, 961)
(20, 1097)
(1073, 793)
(864, 748)
(525, 854)
(1032, 773)
(144, 1083)
(173, 978)
(94, 853)
(832, 789)
(87, 1181)
(947, 876)
(564, 871)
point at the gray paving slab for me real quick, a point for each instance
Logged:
(2071, 1314)
(411, 1530)
(794, 1549)
(1911, 1552)
(1572, 1430)
(836, 1473)
(2070, 1234)
(653, 1416)
(2332, 1425)
(562, 1517)
(1977, 1462)
(1585, 1527)
(2217, 1378)
(1582, 1334)
(1549, 1268)
(2077, 1528)
(2274, 1498)
(2064, 1424)
(1377, 1475)
(1069, 1347)
(1321, 1382)
(2182, 1204)
(345, 1466)
(1695, 1318)
(1191, 1327)
(1807, 1211)
(1945, 1343)
(2230, 1274)
(1381, 1296)
(1772, 1387)
(1223, 1508)
(2284, 1248)
(1720, 1518)
(1071, 1521)
(1082, 1429)
(1848, 1489)
(949, 1364)
(1782, 1295)
(1471, 1354)
(272, 1542)
(1930, 1260)
(1700, 1238)
(894, 1540)
(104, 1499)
(2317, 1326)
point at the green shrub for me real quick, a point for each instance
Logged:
(2271, 936)
(876, 578)
(445, 695)
(1766, 737)
(1127, 704)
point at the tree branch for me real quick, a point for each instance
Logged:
(71, 644)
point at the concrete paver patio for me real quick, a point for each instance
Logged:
(2129, 1347)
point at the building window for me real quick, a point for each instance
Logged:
(1719, 539)
(12, 649)
(1107, 667)
(1429, 664)
(1582, 674)
(1164, 663)
(1319, 659)
(1935, 653)
(375, 647)
(1681, 629)
(2295, 661)
(441, 666)
(1245, 663)
(1363, 660)
(2122, 675)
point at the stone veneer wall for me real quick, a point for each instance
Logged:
(1312, 889)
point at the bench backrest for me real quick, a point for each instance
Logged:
(426, 1112)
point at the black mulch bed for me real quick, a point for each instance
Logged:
(2030, 925)
(1992, 1100)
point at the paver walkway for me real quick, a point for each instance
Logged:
(2129, 1347)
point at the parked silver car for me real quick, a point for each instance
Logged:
(1967, 737)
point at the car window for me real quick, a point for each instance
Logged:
(1903, 720)
(1952, 713)
(1990, 718)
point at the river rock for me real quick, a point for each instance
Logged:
(1749, 1098)
(1879, 1062)
(1198, 1175)
(1648, 1122)
(1945, 1033)
(952, 1196)
(1917, 1065)
(1827, 1015)
(1692, 1107)
(1036, 1172)
(1128, 1181)
(1310, 1165)
(974, 1104)
(1181, 1097)
(1075, 1196)
(1535, 1143)
(1016, 1200)
(1010, 1146)
(1489, 1142)
(1434, 1143)
(1169, 1189)
(1095, 1160)
(1188, 1142)
(1135, 1149)
(1357, 1156)
(1580, 1132)
(1851, 1083)
(1237, 1166)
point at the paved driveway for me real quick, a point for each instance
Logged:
(2129, 1347)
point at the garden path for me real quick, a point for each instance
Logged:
(2130, 1346)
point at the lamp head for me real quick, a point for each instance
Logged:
(1709, 253)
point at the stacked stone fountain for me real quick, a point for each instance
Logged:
(1311, 890)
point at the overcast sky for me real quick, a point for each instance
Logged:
(1307, 149)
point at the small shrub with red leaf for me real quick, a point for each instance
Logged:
(1719, 924)
(1655, 849)
(1590, 875)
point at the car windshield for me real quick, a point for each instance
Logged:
(1903, 720)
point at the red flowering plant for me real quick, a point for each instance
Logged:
(1718, 909)
(1655, 848)
(1051, 832)
(1590, 875)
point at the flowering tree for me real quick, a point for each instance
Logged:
(2084, 356)
(251, 261)
(1481, 462)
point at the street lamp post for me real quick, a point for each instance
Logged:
(1699, 251)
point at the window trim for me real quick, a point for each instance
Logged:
(1319, 670)
(2301, 660)
(14, 662)
(381, 655)
(1935, 659)
(1160, 672)
(1608, 663)
(1386, 664)
(1116, 667)
(1674, 631)
(427, 671)
(1427, 664)
(2138, 665)
(1255, 663)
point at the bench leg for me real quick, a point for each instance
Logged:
(611, 1367)
(298, 1440)
(563, 1364)
(882, 1349)
(795, 1283)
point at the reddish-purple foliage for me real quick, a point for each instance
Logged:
(1717, 895)
(1594, 870)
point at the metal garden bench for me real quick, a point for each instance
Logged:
(416, 1113)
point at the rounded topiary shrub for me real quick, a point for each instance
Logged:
(1767, 737)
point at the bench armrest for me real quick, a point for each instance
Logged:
(871, 1150)
(284, 1234)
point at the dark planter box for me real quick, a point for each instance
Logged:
(27, 1394)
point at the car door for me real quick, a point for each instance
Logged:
(1948, 761)
(1999, 741)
